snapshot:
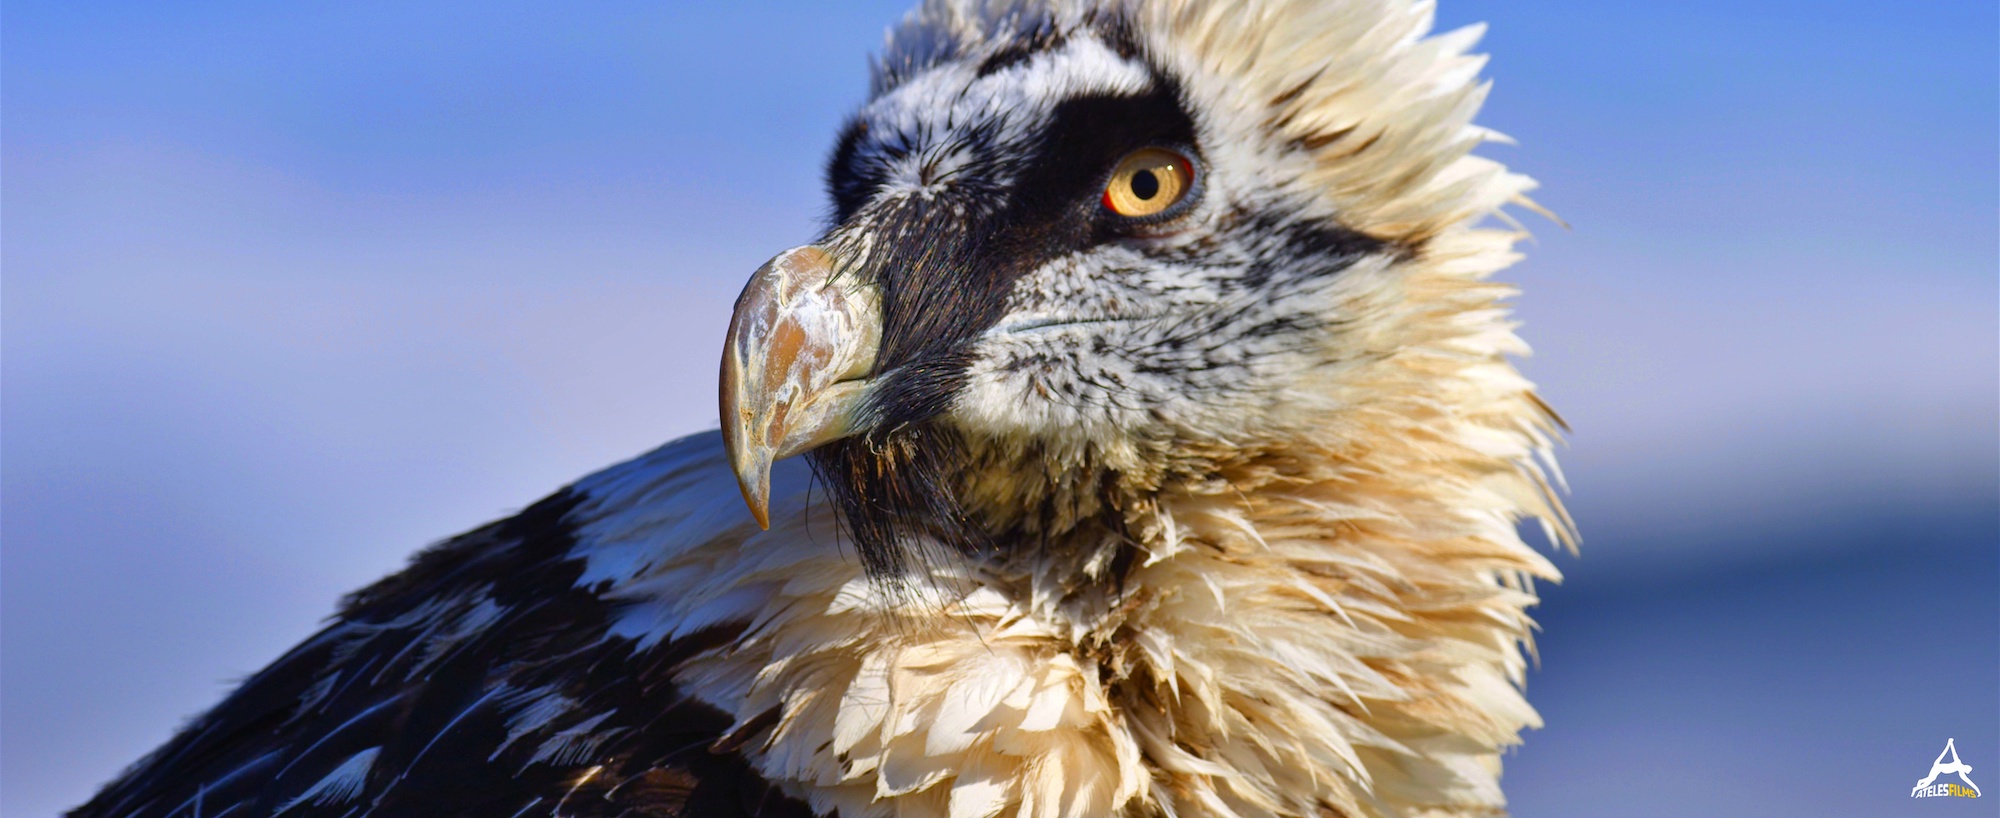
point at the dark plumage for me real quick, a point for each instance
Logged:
(432, 671)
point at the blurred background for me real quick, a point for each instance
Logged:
(292, 289)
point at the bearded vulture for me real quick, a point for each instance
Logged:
(1163, 457)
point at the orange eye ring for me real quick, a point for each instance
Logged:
(1147, 182)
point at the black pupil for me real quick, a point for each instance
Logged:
(1145, 185)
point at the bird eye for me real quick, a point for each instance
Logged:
(1147, 182)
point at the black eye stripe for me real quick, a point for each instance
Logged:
(1088, 135)
(947, 264)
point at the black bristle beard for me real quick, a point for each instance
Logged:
(897, 494)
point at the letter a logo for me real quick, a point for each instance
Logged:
(1942, 766)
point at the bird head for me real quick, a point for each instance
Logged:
(1082, 252)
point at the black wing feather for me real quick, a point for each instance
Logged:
(479, 681)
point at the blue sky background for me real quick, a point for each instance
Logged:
(291, 289)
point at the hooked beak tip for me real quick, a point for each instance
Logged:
(752, 464)
(757, 495)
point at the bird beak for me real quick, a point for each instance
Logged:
(795, 366)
